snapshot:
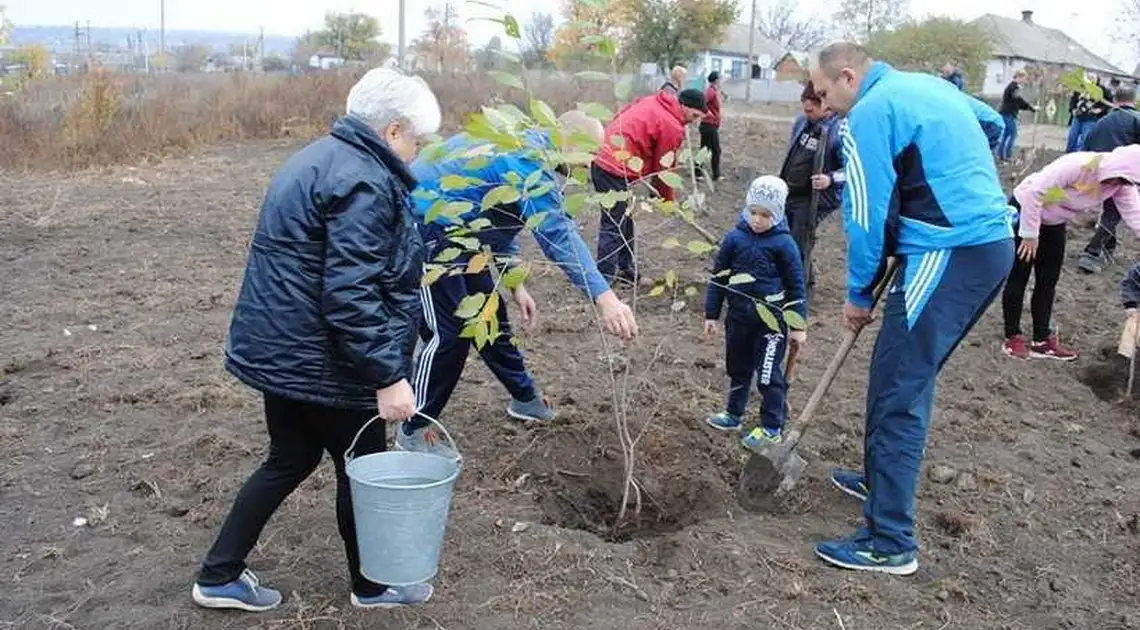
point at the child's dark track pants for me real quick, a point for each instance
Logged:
(615, 231)
(752, 349)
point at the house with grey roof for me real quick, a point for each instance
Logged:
(1021, 43)
(730, 56)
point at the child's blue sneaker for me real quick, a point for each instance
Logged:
(724, 421)
(244, 593)
(761, 437)
(857, 553)
(849, 481)
(395, 597)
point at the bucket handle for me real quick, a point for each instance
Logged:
(349, 455)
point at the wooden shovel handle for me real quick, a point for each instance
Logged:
(844, 349)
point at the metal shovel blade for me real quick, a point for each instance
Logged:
(770, 474)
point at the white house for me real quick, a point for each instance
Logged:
(326, 61)
(1018, 43)
(730, 57)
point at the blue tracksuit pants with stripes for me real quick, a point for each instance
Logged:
(444, 353)
(935, 301)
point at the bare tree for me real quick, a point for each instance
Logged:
(538, 38)
(778, 22)
(864, 18)
(442, 47)
(5, 25)
(1128, 29)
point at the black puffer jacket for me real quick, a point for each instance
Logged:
(329, 307)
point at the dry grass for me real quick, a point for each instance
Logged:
(104, 118)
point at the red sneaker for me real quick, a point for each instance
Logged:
(1015, 347)
(1051, 348)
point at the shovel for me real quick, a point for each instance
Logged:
(773, 470)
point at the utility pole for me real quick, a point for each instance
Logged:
(75, 55)
(400, 55)
(162, 32)
(751, 54)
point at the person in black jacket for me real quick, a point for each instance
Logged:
(1084, 112)
(1119, 128)
(326, 322)
(1012, 104)
(798, 169)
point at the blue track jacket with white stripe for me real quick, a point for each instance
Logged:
(920, 181)
(989, 118)
(487, 166)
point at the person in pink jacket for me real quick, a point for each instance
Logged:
(1045, 201)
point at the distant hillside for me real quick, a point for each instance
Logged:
(62, 38)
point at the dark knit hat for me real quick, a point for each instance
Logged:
(693, 98)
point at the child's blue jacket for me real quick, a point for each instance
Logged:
(773, 261)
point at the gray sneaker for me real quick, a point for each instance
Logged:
(244, 593)
(417, 444)
(1089, 263)
(395, 597)
(537, 410)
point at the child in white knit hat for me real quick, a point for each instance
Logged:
(759, 271)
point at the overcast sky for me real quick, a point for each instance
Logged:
(1092, 26)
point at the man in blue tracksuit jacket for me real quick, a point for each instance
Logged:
(923, 187)
(444, 352)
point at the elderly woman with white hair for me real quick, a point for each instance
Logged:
(326, 323)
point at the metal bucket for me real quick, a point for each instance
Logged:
(400, 503)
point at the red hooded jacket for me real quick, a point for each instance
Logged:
(652, 127)
(712, 98)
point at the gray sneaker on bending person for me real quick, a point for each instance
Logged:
(416, 441)
(537, 410)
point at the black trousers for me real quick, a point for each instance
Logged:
(1046, 270)
(1105, 238)
(615, 232)
(710, 137)
(299, 434)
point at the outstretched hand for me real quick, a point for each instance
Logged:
(527, 308)
(617, 317)
(710, 328)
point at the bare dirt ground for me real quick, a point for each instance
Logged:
(117, 292)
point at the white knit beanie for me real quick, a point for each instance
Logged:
(770, 192)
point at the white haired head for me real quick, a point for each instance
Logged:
(399, 107)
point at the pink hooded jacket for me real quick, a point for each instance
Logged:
(1081, 176)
